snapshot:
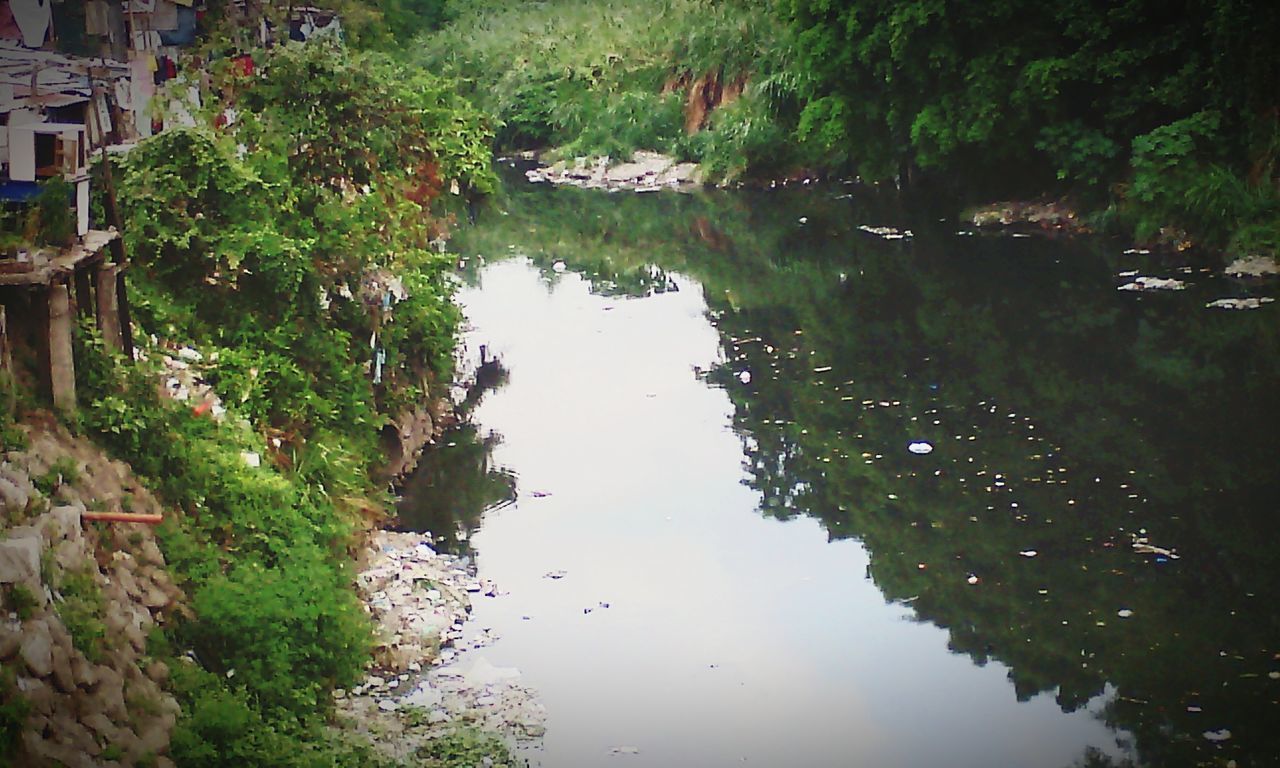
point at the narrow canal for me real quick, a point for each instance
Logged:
(759, 485)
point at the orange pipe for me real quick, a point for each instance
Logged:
(122, 517)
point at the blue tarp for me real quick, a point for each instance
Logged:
(19, 191)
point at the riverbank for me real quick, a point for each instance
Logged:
(754, 90)
(291, 302)
(429, 675)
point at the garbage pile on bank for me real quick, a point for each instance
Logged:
(429, 673)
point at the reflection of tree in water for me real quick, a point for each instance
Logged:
(490, 374)
(457, 482)
(1069, 424)
(454, 485)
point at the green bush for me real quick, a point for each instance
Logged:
(19, 599)
(288, 634)
(82, 611)
(463, 748)
(14, 709)
(54, 216)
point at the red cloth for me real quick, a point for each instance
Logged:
(8, 27)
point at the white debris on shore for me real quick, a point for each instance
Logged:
(428, 675)
(887, 233)
(1253, 266)
(1249, 303)
(1144, 283)
(645, 172)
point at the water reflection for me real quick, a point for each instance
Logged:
(454, 485)
(1097, 508)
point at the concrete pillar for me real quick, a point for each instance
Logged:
(108, 306)
(62, 368)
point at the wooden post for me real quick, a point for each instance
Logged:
(6, 358)
(62, 368)
(118, 254)
(126, 321)
(40, 311)
(84, 301)
(109, 307)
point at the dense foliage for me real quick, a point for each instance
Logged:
(291, 236)
(1169, 111)
(607, 77)
(1162, 117)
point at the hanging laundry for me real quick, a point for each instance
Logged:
(8, 27)
(165, 18)
(33, 19)
(96, 15)
(140, 69)
(184, 32)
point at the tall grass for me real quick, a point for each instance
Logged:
(594, 77)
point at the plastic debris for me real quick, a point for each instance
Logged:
(555, 574)
(1145, 283)
(888, 233)
(559, 266)
(972, 579)
(1253, 266)
(1222, 734)
(745, 377)
(624, 751)
(1249, 303)
(1124, 613)
(920, 448)
(1028, 553)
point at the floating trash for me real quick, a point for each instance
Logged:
(1124, 613)
(555, 574)
(1222, 734)
(973, 579)
(1145, 283)
(745, 377)
(624, 751)
(1249, 303)
(920, 448)
(804, 219)
(888, 233)
(1253, 266)
(1028, 553)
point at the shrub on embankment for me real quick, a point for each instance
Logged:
(277, 242)
(607, 77)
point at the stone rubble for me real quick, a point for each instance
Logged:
(645, 172)
(107, 708)
(428, 675)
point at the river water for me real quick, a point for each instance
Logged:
(692, 481)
